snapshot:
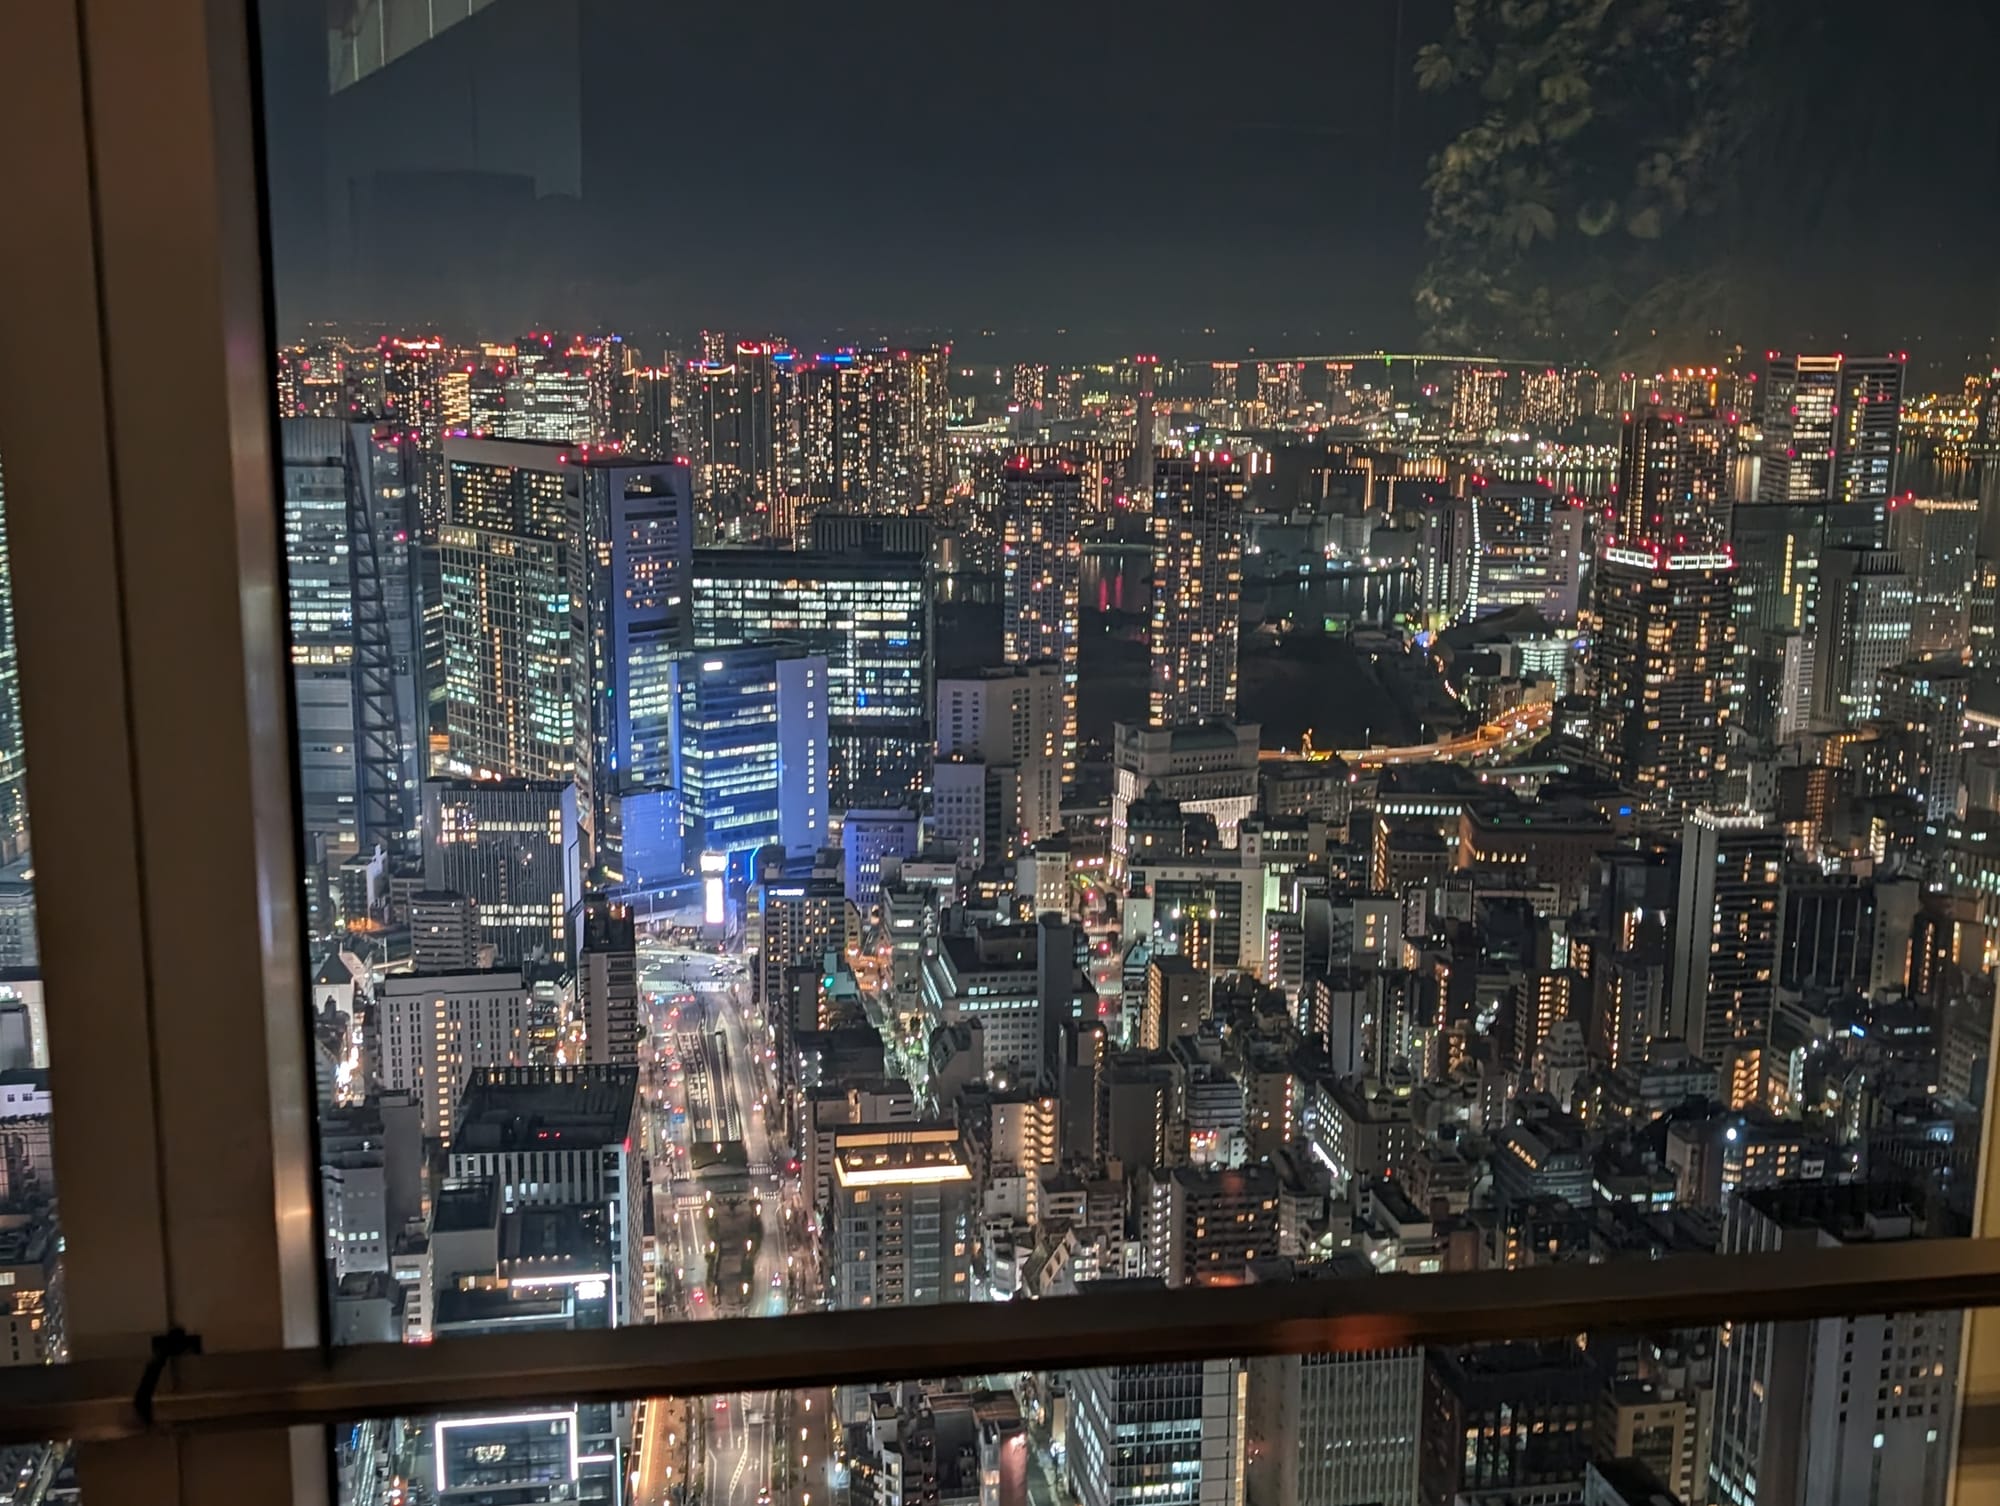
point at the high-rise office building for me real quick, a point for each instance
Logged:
(352, 618)
(1447, 559)
(1869, 424)
(750, 753)
(1007, 723)
(444, 931)
(511, 661)
(899, 1226)
(870, 619)
(562, 1137)
(512, 848)
(1506, 1421)
(794, 923)
(1673, 471)
(320, 592)
(869, 842)
(1830, 430)
(436, 1029)
(643, 422)
(648, 619)
(607, 983)
(1041, 508)
(1205, 1227)
(1158, 1435)
(514, 566)
(563, 593)
(1725, 959)
(1335, 1429)
(1660, 662)
(1801, 395)
(1927, 700)
(411, 371)
(1866, 610)
(1938, 541)
(551, 390)
(1778, 548)
(1827, 940)
(1145, 459)
(1197, 529)
(1527, 549)
(1837, 1411)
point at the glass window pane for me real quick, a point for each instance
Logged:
(1709, 1413)
(900, 715)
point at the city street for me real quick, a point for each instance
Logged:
(711, 1086)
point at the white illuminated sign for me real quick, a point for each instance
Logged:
(494, 1453)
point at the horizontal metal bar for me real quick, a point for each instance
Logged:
(288, 1388)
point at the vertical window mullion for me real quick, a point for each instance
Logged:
(135, 425)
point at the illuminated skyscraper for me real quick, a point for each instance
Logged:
(553, 391)
(562, 587)
(351, 611)
(511, 847)
(1448, 560)
(511, 660)
(1866, 608)
(1835, 1411)
(870, 618)
(1505, 544)
(1169, 1435)
(648, 616)
(643, 418)
(1869, 422)
(1938, 541)
(1041, 558)
(1197, 587)
(732, 417)
(1725, 963)
(1143, 457)
(320, 590)
(412, 377)
(1006, 724)
(1777, 548)
(1927, 699)
(1830, 429)
(750, 751)
(1673, 471)
(1660, 673)
(871, 429)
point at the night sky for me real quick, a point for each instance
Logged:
(1136, 176)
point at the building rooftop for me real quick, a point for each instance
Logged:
(469, 1206)
(545, 1108)
(897, 1155)
(545, 1243)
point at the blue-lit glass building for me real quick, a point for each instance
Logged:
(647, 616)
(750, 754)
(870, 618)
